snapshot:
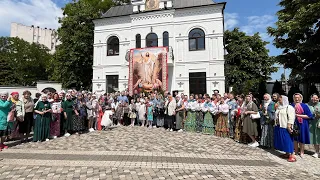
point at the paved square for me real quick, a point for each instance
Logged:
(139, 153)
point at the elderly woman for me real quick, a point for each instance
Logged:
(284, 120)
(179, 114)
(19, 115)
(69, 111)
(56, 116)
(25, 126)
(43, 119)
(314, 106)
(267, 121)
(5, 107)
(303, 114)
(250, 124)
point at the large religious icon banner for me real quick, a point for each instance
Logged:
(152, 5)
(148, 69)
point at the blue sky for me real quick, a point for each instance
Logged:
(249, 15)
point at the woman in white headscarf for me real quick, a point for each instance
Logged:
(284, 120)
(267, 121)
(43, 119)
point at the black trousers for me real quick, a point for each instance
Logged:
(170, 120)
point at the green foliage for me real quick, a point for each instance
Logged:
(247, 62)
(22, 63)
(74, 56)
(297, 33)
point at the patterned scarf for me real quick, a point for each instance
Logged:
(299, 110)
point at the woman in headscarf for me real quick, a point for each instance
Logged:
(43, 119)
(250, 124)
(5, 107)
(69, 111)
(267, 121)
(207, 109)
(79, 114)
(284, 120)
(222, 129)
(179, 114)
(190, 124)
(19, 115)
(239, 135)
(314, 106)
(303, 114)
(56, 115)
(25, 126)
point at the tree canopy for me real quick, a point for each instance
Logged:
(247, 62)
(297, 33)
(22, 63)
(74, 56)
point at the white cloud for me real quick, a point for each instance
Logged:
(43, 13)
(231, 20)
(259, 24)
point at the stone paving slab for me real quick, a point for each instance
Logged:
(141, 153)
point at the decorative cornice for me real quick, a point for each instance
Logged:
(198, 11)
(153, 16)
(111, 21)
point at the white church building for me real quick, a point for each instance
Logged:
(191, 29)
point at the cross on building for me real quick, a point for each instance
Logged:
(215, 83)
(125, 85)
(180, 84)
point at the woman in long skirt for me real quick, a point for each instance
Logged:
(69, 111)
(314, 106)
(190, 124)
(208, 127)
(250, 124)
(56, 114)
(285, 117)
(199, 116)
(303, 115)
(43, 119)
(179, 114)
(239, 135)
(222, 129)
(267, 121)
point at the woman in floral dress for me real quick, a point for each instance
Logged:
(207, 108)
(56, 114)
(267, 121)
(190, 124)
(222, 129)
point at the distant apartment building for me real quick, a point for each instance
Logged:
(35, 34)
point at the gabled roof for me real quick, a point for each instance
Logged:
(126, 10)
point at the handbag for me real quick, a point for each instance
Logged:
(10, 117)
(255, 116)
(295, 131)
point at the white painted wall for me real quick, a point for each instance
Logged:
(36, 34)
(178, 23)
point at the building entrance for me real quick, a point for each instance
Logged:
(197, 83)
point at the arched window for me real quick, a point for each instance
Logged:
(138, 41)
(152, 40)
(196, 40)
(165, 37)
(113, 46)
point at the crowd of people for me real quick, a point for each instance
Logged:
(273, 123)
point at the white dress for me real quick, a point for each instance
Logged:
(142, 112)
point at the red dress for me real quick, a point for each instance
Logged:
(99, 119)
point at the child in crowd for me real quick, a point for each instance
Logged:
(132, 112)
